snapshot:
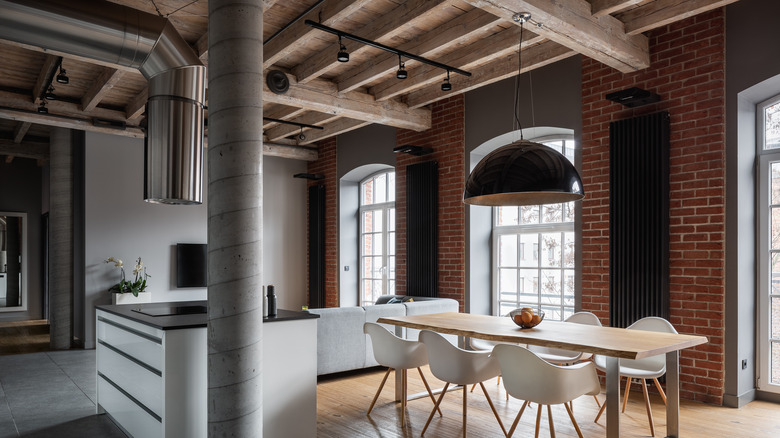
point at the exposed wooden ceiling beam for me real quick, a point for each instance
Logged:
(570, 23)
(279, 112)
(535, 57)
(311, 118)
(136, 107)
(451, 33)
(323, 96)
(380, 30)
(600, 8)
(20, 131)
(50, 64)
(474, 55)
(333, 129)
(38, 150)
(299, 34)
(292, 151)
(100, 87)
(267, 4)
(663, 12)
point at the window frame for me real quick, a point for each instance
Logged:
(388, 237)
(570, 149)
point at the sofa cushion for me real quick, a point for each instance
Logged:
(341, 343)
(425, 307)
(372, 314)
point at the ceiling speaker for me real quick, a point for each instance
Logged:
(277, 82)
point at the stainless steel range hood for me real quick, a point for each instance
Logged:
(124, 36)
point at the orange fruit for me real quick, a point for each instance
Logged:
(517, 319)
(528, 309)
(536, 319)
(526, 317)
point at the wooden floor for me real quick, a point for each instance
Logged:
(342, 401)
(24, 337)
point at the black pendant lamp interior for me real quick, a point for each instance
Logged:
(523, 172)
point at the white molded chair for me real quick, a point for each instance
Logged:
(648, 368)
(396, 354)
(560, 356)
(454, 365)
(529, 377)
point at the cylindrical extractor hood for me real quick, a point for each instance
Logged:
(128, 37)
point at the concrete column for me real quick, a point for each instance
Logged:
(60, 238)
(235, 227)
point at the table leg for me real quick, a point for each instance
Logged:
(673, 394)
(399, 380)
(613, 397)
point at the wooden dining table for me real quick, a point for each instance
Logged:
(611, 342)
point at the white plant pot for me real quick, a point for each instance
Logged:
(128, 298)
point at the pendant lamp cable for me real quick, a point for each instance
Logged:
(518, 125)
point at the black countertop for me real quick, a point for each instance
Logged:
(184, 314)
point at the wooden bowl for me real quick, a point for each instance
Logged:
(526, 317)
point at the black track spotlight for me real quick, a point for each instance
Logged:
(49, 95)
(62, 77)
(342, 56)
(42, 109)
(301, 136)
(446, 86)
(401, 73)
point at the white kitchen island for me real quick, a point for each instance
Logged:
(152, 370)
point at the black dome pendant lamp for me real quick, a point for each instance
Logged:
(523, 172)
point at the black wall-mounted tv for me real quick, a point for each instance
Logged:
(191, 265)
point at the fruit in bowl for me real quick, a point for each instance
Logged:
(526, 317)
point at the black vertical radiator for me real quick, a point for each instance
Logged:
(317, 246)
(638, 218)
(422, 236)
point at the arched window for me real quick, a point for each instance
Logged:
(534, 252)
(377, 236)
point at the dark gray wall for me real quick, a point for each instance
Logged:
(556, 101)
(752, 69)
(20, 191)
(372, 144)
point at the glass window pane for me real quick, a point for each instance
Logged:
(507, 216)
(381, 188)
(391, 287)
(568, 250)
(775, 218)
(390, 243)
(552, 213)
(775, 272)
(775, 184)
(568, 287)
(527, 283)
(368, 244)
(391, 267)
(551, 286)
(775, 365)
(505, 308)
(553, 313)
(775, 321)
(378, 219)
(557, 145)
(507, 281)
(377, 267)
(528, 249)
(367, 222)
(378, 245)
(569, 213)
(772, 127)
(529, 214)
(391, 187)
(391, 220)
(368, 192)
(507, 250)
(551, 249)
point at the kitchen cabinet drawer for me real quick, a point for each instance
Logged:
(132, 417)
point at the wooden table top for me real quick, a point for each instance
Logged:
(608, 341)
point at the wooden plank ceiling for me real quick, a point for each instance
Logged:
(478, 36)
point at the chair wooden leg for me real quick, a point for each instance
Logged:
(647, 406)
(436, 406)
(517, 420)
(601, 411)
(625, 396)
(660, 390)
(598, 403)
(550, 421)
(473, 386)
(498, 380)
(573, 421)
(493, 408)
(465, 393)
(381, 385)
(403, 398)
(538, 420)
(428, 388)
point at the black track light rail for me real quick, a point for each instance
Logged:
(407, 55)
(286, 122)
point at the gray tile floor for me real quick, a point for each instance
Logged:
(51, 395)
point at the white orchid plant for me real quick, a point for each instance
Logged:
(126, 286)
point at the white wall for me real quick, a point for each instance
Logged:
(119, 223)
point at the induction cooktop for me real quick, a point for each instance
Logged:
(168, 310)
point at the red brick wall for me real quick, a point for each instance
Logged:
(446, 138)
(687, 70)
(327, 165)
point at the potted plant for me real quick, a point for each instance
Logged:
(127, 291)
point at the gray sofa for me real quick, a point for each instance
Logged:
(341, 343)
